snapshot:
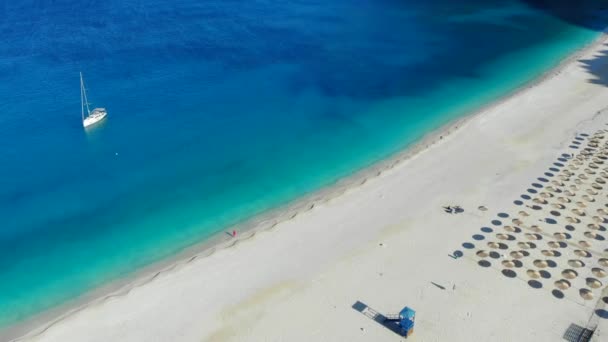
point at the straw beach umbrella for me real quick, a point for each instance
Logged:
(482, 254)
(578, 212)
(562, 284)
(550, 253)
(576, 263)
(533, 236)
(590, 235)
(526, 245)
(582, 253)
(586, 294)
(508, 263)
(588, 198)
(593, 283)
(560, 236)
(516, 254)
(569, 274)
(502, 236)
(533, 274)
(599, 272)
(572, 219)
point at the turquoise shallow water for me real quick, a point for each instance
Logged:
(220, 110)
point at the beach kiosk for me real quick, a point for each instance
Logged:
(407, 318)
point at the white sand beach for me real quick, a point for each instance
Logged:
(388, 244)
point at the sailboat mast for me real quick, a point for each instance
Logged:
(84, 94)
(81, 97)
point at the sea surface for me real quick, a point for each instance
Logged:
(223, 109)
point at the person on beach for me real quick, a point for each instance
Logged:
(234, 233)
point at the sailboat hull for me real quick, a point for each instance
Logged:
(93, 119)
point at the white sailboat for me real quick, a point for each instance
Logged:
(94, 116)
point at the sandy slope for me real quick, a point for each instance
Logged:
(383, 243)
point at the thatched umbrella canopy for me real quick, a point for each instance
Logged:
(508, 263)
(590, 235)
(560, 236)
(482, 254)
(593, 283)
(516, 254)
(582, 253)
(588, 198)
(586, 294)
(578, 212)
(576, 263)
(562, 284)
(599, 272)
(572, 219)
(569, 274)
(534, 274)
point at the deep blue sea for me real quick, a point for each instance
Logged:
(222, 109)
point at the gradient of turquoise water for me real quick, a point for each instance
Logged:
(219, 110)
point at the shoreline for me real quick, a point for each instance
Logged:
(269, 220)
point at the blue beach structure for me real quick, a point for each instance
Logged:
(407, 318)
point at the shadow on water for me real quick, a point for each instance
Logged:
(590, 14)
(597, 67)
